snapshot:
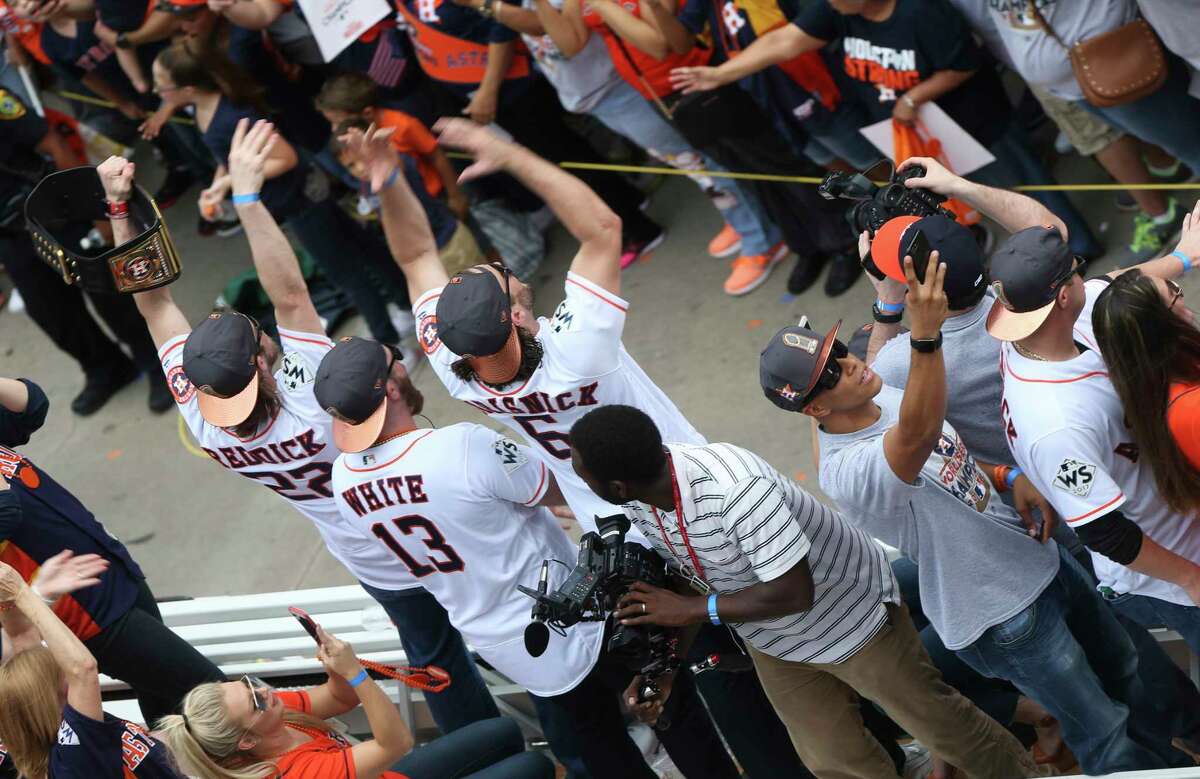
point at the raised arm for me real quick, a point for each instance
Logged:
(777, 46)
(274, 260)
(405, 225)
(1012, 210)
(907, 445)
(163, 318)
(634, 31)
(565, 27)
(585, 215)
(661, 14)
(514, 17)
(250, 14)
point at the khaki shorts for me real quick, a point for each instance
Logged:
(1087, 132)
(461, 251)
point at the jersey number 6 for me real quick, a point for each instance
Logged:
(547, 438)
(442, 555)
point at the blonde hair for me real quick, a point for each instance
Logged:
(30, 709)
(205, 739)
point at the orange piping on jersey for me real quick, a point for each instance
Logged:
(306, 340)
(1081, 377)
(538, 492)
(585, 288)
(1096, 510)
(407, 449)
(455, 60)
(260, 434)
(173, 347)
(498, 393)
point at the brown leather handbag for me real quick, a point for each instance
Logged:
(1116, 67)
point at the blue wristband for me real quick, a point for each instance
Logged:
(889, 308)
(1186, 260)
(362, 677)
(392, 178)
(1011, 477)
(241, 200)
(713, 617)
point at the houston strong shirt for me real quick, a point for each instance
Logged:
(1067, 431)
(292, 454)
(584, 365)
(457, 506)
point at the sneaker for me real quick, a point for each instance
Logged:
(178, 181)
(1150, 237)
(805, 273)
(1124, 201)
(636, 250)
(228, 227)
(750, 271)
(160, 399)
(99, 389)
(205, 228)
(844, 270)
(726, 244)
(918, 762)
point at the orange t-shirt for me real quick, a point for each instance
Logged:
(27, 33)
(1183, 419)
(410, 137)
(629, 60)
(325, 757)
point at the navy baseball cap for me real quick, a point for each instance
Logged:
(1027, 272)
(792, 363)
(219, 359)
(351, 386)
(474, 320)
(966, 276)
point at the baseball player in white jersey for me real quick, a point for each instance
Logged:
(268, 426)
(1067, 429)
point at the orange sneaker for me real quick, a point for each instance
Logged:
(750, 272)
(726, 243)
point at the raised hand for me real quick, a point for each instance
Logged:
(374, 153)
(489, 150)
(65, 573)
(248, 154)
(116, 176)
(936, 179)
(337, 655)
(11, 583)
(1189, 239)
(699, 79)
(927, 306)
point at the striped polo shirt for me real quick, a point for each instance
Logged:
(746, 524)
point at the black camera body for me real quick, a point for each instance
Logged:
(607, 565)
(875, 205)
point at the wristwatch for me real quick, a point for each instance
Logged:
(908, 101)
(886, 317)
(123, 41)
(926, 345)
(488, 8)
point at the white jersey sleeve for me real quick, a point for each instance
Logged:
(438, 355)
(589, 323)
(170, 354)
(1083, 323)
(1067, 468)
(302, 355)
(498, 467)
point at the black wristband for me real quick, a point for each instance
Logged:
(884, 318)
(926, 345)
(123, 41)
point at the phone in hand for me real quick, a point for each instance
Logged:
(307, 622)
(919, 249)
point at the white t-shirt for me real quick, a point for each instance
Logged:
(1067, 431)
(584, 365)
(292, 455)
(457, 506)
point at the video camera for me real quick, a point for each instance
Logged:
(875, 205)
(607, 565)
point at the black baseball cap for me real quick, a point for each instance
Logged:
(792, 363)
(219, 359)
(1027, 272)
(474, 320)
(966, 275)
(351, 386)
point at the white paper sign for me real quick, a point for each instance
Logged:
(963, 153)
(335, 24)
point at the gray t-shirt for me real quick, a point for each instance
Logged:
(581, 81)
(1027, 47)
(976, 388)
(977, 567)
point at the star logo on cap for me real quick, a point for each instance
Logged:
(787, 392)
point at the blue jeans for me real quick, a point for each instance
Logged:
(488, 749)
(1068, 652)
(623, 110)
(1169, 118)
(1156, 613)
(838, 137)
(428, 638)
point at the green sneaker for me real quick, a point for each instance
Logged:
(1151, 237)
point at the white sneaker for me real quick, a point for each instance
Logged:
(918, 762)
(404, 321)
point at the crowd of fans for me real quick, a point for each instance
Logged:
(1008, 643)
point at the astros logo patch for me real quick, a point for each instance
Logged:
(427, 334)
(180, 385)
(10, 106)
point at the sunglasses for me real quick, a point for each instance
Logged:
(259, 698)
(1078, 268)
(397, 356)
(831, 374)
(1176, 293)
(504, 272)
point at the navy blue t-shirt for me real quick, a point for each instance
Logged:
(86, 54)
(112, 749)
(283, 195)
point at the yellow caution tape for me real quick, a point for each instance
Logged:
(185, 438)
(108, 103)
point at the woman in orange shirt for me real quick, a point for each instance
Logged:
(1149, 340)
(247, 730)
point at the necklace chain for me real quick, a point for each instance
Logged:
(1027, 352)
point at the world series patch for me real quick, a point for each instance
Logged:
(511, 456)
(1075, 477)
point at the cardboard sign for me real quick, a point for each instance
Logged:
(963, 153)
(336, 24)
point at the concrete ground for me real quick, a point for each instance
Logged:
(199, 530)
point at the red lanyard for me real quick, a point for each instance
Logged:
(696, 567)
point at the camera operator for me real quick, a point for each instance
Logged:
(811, 594)
(479, 533)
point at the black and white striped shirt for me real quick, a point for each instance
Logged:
(747, 524)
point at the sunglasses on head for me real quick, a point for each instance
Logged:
(831, 374)
(1176, 293)
(504, 272)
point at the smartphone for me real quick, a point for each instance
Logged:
(307, 622)
(919, 249)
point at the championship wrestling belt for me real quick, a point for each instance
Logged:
(68, 202)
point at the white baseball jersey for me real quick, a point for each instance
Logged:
(1067, 431)
(584, 365)
(292, 455)
(457, 506)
